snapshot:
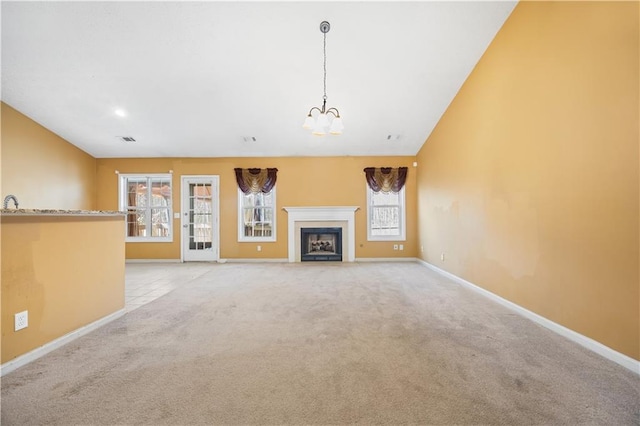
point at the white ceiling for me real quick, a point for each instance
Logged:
(197, 77)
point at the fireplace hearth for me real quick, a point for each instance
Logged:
(320, 244)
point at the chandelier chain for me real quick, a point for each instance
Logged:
(324, 52)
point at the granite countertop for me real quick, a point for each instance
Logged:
(53, 212)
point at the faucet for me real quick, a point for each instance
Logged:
(6, 201)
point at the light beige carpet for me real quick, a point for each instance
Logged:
(331, 343)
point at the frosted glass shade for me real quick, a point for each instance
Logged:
(308, 123)
(323, 121)
(336, 126)
(318, 130)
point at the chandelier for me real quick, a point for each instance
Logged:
(321, 122)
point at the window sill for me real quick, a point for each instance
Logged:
(387, 238)
(257, 240)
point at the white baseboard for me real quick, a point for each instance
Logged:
(22, 360)
(153, 261)
(286, 260)
(597, 347)
(386, 259)
(256, 260)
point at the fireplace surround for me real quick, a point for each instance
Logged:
(321, 217)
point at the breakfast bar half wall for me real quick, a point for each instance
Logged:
(65, 268)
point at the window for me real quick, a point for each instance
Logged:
(385, 215)
(256, 220)
(147, 201)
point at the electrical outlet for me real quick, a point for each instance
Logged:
(21, 320)
(401, 246)
(442, 257)
(421, 249)
(395, 247)
(259, 248)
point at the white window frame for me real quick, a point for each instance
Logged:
(402, 233)
(244, 239)
(122, 201)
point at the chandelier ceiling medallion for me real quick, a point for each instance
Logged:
(321, 122)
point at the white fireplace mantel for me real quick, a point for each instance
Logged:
(311, 214)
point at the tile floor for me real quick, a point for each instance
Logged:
(145, 282)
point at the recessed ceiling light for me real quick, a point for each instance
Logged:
(120, 112)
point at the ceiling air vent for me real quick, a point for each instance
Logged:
(249, 138)
(126, 139)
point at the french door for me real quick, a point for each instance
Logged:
(200, 225)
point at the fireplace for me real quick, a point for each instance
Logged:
(321, 217)
(320, 244)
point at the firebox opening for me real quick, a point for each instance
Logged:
(320, 244)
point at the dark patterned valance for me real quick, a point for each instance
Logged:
(256, 180)
(386, 179)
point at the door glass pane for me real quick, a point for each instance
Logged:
(200, 216)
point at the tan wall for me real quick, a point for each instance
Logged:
(530, 182)
(43, 170)
(304, 181)
(66, 271)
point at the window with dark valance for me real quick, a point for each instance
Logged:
(386, 215)
(256, 204)
(256, 180)
(386, 179)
